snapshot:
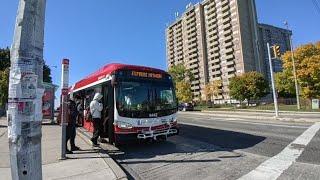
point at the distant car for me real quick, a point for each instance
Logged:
(185, 107)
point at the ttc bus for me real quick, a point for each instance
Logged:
(138, 102)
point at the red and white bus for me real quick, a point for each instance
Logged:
(139, 102)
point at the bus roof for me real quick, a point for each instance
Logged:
(106, 70)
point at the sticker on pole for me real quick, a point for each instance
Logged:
(64, 91)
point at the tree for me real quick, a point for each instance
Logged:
(248, 86)
(47, 74)
(4, 85)
(307, 62)
(180, 73)
(237, 87)
(183, 91)
(4, 75)
(212, 90)
(285, 84)
(182, 78)
(4, 59)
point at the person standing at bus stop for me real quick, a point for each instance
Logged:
(95, 109)
(71, 127)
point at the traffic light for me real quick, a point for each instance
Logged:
(276, 51)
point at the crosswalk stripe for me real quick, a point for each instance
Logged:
(272, 168)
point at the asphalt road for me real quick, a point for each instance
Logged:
(220, 148)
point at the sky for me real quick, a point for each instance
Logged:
(94, 33)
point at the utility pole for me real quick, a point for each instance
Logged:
(275, 100)
(64, 94)
(294, 68)
(26, 90)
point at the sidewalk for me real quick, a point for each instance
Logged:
(283, 116)
(86, 164)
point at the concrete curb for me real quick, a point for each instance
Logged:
(118, 172)
(252, 117)
(261, 111)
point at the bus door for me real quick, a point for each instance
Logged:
(108, 113)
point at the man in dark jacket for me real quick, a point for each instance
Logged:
(71, 127)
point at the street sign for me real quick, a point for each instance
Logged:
(65, 73)
(315, 103)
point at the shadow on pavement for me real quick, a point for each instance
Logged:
(228, 140)
(192, 139)
(174, 161)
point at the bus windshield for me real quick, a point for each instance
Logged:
(142, 98)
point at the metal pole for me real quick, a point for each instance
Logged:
(294, 69)
(275, 100)
(26, 90)
(64, 94)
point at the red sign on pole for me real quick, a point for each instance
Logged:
(64, 91)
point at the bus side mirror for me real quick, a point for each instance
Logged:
(113, 80)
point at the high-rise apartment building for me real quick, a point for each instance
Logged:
(273, 35)
(216, 40)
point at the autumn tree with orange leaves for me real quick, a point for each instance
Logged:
(307, 61)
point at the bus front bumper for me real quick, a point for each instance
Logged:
(142, 135)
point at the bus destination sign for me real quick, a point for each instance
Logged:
(146, 74)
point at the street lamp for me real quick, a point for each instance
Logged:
(293, 67)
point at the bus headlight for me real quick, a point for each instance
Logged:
(124, 125)
(173, 120)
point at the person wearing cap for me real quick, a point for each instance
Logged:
(95, 109)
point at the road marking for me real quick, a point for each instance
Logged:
(272, 168)
(250, 122)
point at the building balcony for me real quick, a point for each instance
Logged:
(193, 18)
(231, 69)
(193, 66)
(224, 15)
(226, 26)
(224, 2)
(212, 15)
(216, 78)
(192, 39)
(226, 20)
(195, 88)
(193, 51)
(229, 50)
(227, 38)
(213, 38)
(215, 73)
(230, 63)
(195, 71)
(215, 61)
(211, 7)
(227, 32)
(193, 55)
(215, 43)
(229, 44)
(231, 75)
(225, 8)
(191, 29)
(217, 66)
(229, 57)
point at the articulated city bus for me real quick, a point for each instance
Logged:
(138, 102)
